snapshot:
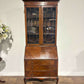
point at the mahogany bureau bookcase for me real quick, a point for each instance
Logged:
(41, 58)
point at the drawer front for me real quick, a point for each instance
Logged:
(44, 62)
(41, 67)
(28, 62)
(41, 62)
(41, 74)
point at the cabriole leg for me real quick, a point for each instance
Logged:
(25, 81)
(57, 80)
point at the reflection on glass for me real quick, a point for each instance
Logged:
(49, 23)
(33, 25)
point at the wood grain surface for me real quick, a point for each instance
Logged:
(41, 59)
(41, 53)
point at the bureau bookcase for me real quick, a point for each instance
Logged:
(41, 58)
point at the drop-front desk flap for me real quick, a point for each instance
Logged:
(41, 53)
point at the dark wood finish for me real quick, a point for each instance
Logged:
(40, 23)
(38, 45)
(40, 0)
(41, 62)
(39, 67)
(56, 25)
(40, 26)
(41, 53)
(41, 59)
(25, 25)
(40, 3)
(41, 74)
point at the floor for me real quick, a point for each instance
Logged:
(62, 80)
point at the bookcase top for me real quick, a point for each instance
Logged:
(41, 0)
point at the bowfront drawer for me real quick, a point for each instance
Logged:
(41, 62)
(40, 67)
(41, 74)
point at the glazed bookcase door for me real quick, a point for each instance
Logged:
(41, 25)
(49, 25)
(32, 25)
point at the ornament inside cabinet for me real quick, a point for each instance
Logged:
(41, 58)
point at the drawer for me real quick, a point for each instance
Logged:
(28, 62)
(41, 74)
(41, 67)
(41, 62)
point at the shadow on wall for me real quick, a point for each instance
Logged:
(80, 62)
(2, 65)
(79, 69)
(4, 45)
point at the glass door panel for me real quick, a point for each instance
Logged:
(49, 24)
(33, 25)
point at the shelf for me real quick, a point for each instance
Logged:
(43, 33)
(33, 26)
(33, 33)
(37, 26)
(32, 18)
(43, 18)
(41, 27)
(49, 18)
(48, 33)
(51, 25)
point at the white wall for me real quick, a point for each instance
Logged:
(12, 14)
(70, 36)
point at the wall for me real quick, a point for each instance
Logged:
(70, 37)
(70, 40)
(12, 14)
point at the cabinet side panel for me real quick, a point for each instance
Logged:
(56, 26)
(25, 25)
